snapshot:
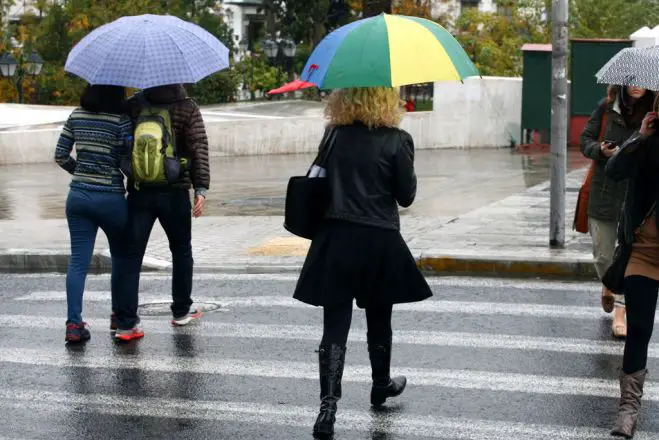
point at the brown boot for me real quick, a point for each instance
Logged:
(608, 300)
(631, 391)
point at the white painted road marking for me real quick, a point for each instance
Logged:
(456, 379)
(298, 416)
(314, 333)
(433, 305)
(485, 283)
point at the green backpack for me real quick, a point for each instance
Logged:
(154, 158)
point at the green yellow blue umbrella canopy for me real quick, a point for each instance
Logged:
(387, 51)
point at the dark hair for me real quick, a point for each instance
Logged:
(103, 99)
(632, 112)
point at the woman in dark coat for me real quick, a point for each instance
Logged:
(638, 236)
(624, 108)
(359, 253)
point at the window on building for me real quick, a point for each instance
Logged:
(470, 3)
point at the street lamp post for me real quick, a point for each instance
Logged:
(12, 68)
(281, 54)
(271, 50)
(289, 48)
(243, 45)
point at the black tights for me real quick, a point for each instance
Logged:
(641, 303)
(336, 324)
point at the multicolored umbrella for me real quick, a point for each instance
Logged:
(387, 51)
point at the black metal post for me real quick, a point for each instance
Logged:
(252, 96)
(19, 87)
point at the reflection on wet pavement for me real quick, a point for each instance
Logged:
(451, 182)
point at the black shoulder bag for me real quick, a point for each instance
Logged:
(307, 197)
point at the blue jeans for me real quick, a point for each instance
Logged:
(173, 209)
(86, 211)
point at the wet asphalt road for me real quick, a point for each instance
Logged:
(485, 359)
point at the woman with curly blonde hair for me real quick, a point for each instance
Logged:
(359, 253)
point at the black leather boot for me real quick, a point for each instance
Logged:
(330, 360)
(384, 386)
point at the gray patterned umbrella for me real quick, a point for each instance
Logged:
(633, 66)
(147, 51)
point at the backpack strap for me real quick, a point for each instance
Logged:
(145, 103)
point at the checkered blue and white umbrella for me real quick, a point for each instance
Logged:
(632, 66)
(147, 51)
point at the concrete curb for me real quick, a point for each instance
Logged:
(38, 260)
(504, 266)
(45, 260)
(49, 260)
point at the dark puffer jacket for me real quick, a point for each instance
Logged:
(607, 195)
(189, 129)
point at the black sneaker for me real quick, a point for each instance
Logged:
(77, 332)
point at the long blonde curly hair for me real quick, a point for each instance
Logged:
(372, 106)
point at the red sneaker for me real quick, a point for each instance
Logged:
(129, 335)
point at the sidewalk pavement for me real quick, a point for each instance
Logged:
(506, 238)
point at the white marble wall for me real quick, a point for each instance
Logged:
(483, 112)
(479, 113)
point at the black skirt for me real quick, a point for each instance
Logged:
(348, 261)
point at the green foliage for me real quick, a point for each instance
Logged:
(371, 8)
(53, 42)
(258, 74)
(301, 20)
(301, 56)
(65, 23)
(494, 40)
(611, 18)
(5, 6)
(56, 87)
(220, 87)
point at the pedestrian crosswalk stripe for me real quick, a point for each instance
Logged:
(436, 281)
(296, 416)
(313, 333)
(432, 305)
(458, 379)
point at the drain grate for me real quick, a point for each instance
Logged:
(163, 308)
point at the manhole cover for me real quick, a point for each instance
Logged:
(163, 308)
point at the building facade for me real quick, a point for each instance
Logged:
(24, 7)
(454, 7)
(247, 18)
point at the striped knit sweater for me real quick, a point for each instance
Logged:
(100, 141)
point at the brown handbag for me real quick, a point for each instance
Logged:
(580, 223)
